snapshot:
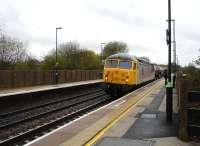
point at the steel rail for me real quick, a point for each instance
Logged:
(49, 112)
(46, 104)
(25, 135)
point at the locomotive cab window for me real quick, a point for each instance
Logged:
(125, 64)
(111, 63)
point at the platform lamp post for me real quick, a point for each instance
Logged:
(56, 65)
(174, 53)
(101, 58)
(169, 103)
(174, 45)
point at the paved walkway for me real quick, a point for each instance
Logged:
(137, 119)
(146, 125)
(165, 141)
(152, 123)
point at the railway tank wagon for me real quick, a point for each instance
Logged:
(123, 72)
(158, 71)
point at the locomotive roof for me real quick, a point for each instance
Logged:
(128, 57)
(122, 56)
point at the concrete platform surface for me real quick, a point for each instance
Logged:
(151, 123)
(146, 124)
(113, 141)
(8, 92)
(137, 119)
(83, 130)
(167, 141)
(172, 141)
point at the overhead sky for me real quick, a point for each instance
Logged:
(139, 23)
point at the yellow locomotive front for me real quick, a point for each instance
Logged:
(120, 69)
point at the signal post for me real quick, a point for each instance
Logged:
(169, 103)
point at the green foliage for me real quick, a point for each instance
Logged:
(71, 56)
(113, 48)
(49, 61)
(29, 64)
(21, 66)
(88, 59)
(145, 58)
(196, 78)
(190, 69)
(194, 74)
(197, 61)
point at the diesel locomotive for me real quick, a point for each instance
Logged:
(123, 72)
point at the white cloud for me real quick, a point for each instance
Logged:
(140, 23)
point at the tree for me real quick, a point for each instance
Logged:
(145, 59)
(29, 64)
(189, 69)
(69, 53)
(12, 51)
(68, 48)
(72, 56)
(197, 61)
(194, 75)
(113, 48)
(49, 61)
(88, 59)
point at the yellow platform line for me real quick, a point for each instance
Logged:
(102, 131)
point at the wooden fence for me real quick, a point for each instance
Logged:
(15, 79)
(189, 109)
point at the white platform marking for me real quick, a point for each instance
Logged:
(118, 104)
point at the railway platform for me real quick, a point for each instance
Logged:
(24, 90)
(137, 119)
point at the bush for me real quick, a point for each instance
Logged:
(194, 74)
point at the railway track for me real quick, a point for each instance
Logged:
(31, 122)
(22, 112)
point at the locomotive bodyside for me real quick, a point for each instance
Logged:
(123, 72)
(146, 72)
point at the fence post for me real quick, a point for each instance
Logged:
(183, 114)
(178, 87)
(24, 79)
(65, 72)
(12, 73)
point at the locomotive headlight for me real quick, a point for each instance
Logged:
(106, 77)
(126, 78)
